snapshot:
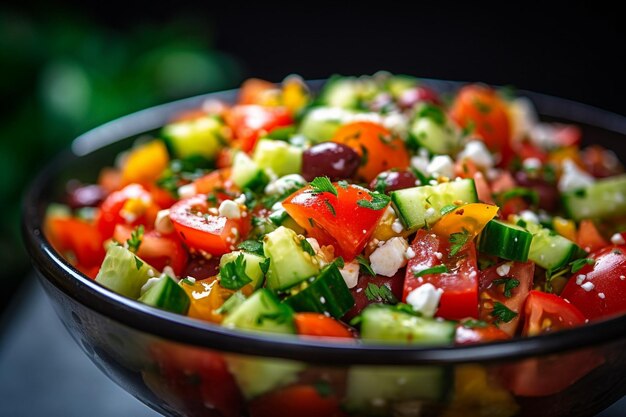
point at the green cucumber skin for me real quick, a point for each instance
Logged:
(409, 202)
(120, 272)
(506, 241)
(550, 250)
(262, 312)
(167, 295)
(604, 199)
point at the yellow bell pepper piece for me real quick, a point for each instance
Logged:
(295, 93)
(145, 163)
(470, 218)
(565, 227)
(207, 296)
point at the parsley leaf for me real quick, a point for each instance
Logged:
(379, 201)
(502, 313)
(438, 269)
(330, 207)
(136, 236)
(306, 246)
(365, 266)
(138, 263)
(323, 185)
(364, 156)
(233, 274)
(579, 264)
(343, 184)
(252, 246)
(458, 240)
(509, 285)
(381, 293)
(447, 209)
(433, 113)
(381, 184)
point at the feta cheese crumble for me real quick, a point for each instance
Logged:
(477, 152)
(229, 209)
(425, 299)
(389, 258)
(441, 165)
(573, 177)
(350, 273)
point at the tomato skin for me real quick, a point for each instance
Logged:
(460, 285)
(156, 249)
(350, 227)
(480, 105)
(319, 325)
(490, 333)
(545, 313)
(199, 229)
(81, 238)
(384, 151)
(605, 275)
(394, 283)
(249, 122)
(296, 400)
(490, 292)
(112, 209)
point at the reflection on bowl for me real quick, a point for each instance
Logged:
(180, 366)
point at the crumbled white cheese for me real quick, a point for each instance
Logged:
(241, 199)
(389, 258)
(188, 190)
(396, 226)
(438, 255)
(285, 183)
(503, 269)
(573, 177)
(477, 152)
(397, 123)
(229, 209)
(529, 216)
(425, 299)
(587, 286)
(531, 163)
(430, 212)
(421, 161)
(441, 165)
(618, 239)
(580, 279)
(410, 253)
(601, 295)
(350, 273)
(163, 224)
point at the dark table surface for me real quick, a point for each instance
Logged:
(43, 372)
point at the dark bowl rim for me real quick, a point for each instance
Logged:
(55, 269)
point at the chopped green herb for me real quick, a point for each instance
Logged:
(265, 266)
(364, 155)
(252, 246)
(474, 324)
(356, 320)
(458, 240)
(330, 207)
(502, 313)
(233, 274)
(378, 202)
(231, 303)
(339, 262)
(212, 199)
(323, 185)
(138, 263)
(432, 112)
(509, 285)
(579, 264)
(323, 388)
(581, 193)
(483, 108)
(437, 269)
(469, 128)
(365, 266)
(306, 246)
(343, 184)
(447, 209)
(381, 184)
(381, 293)
(423, 179)
(136, 236)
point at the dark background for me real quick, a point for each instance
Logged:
(67, 68)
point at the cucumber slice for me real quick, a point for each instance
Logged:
(246, 173)
(604, 199)
(282, 218)
(253, 265)
(202, 136)
(289, 263)
(548, 249)
(123, 272)
(422, 205)
(431, 131)
(167, 295)
(262, 312)
(343, 92)
(282, 158)
(398, 84)
(328, 294)
(384, 323)
(505, 240)
(321, 123)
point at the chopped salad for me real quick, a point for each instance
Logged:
(377, 210)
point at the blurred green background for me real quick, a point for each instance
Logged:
(64, 73)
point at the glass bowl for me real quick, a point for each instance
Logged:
(184, 367)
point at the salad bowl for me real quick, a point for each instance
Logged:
(180, 366)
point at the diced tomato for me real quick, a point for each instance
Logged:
(335, 220)
(82, 238)
(479, 106)
(296, 400)
(132, 205)
(544, 313)
(589, 238)
(503, 182)
(361, 299)
(216, 180)
(161, 197)
(525, 150)
(250, 122)
(467, 335)
(200, 228)
(513, 205)
(603, 291)
(378, 148)
(482, 188)
(156, 249)
(193, 381)
(460, 284)
(319, 325)
(492, 292)
(601, 162)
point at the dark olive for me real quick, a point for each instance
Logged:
(85, 196)
(329, 159)
(388, 181)
(548, 194)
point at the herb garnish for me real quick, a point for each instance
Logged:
(365, 266)
(579, 264)
(306, 246)
(447, 209)
(233, 274)
(379, 201)
(509, 285)
(330, 207)
(437, 269)
(252, 246)
(136, 236)
(382, 293)
(323, 185)
(458, 240)
(502, 313)
(138, 263)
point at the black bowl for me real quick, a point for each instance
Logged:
(178, 366)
